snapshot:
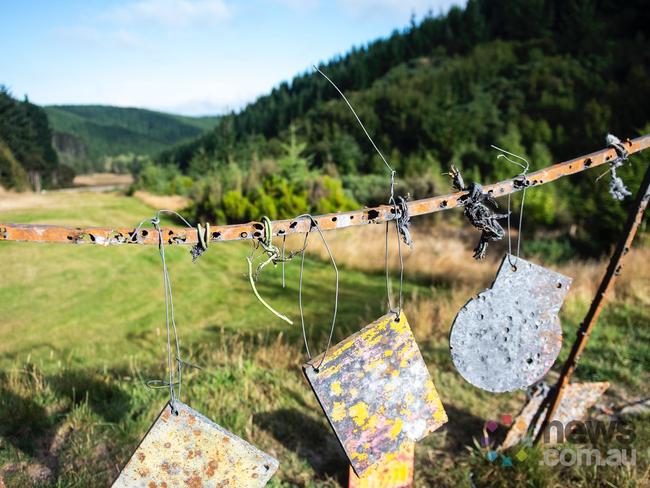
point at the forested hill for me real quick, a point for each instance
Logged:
(547, 79)
(85, 135)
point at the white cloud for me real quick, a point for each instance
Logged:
(100, 37)
(172, 13)
(365, 8)
(298, 5)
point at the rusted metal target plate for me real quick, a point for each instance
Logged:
(376, 392)
(509, 336)
(577, 399)
(396, 473)
(189, 449)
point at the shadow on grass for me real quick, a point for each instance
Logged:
(104, 399)
(33, 417)
(462, 428)
(24, 423)
(309, 439)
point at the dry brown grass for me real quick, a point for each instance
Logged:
(10, 200)
(431, 317)
(441, 255)
(169, 202)
(442, 258)
(633, 285)
(102, 179)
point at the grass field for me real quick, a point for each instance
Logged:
(82, 330)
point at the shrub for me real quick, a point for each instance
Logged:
(12, 174)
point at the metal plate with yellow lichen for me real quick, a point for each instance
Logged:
(397, 473)
(376, 392)
(190, 450)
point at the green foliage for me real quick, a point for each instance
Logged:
(293, 166)
(12, 174)
(333, 197)
(163, 180)
(229, 195)
(550, 250)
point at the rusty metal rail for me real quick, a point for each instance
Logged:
(607, 284)
(252, 230)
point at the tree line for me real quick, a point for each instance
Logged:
(27, 158)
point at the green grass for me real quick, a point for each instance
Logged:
(82, 330)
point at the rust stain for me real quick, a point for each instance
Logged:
(172, 453)
(376, 392)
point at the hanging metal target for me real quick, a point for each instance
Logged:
(376, 391)
(184, 448)
(509, 336)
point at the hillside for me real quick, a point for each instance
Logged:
(27, 158)
(546, 80)
(84, 135)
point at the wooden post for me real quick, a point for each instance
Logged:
(613, 271)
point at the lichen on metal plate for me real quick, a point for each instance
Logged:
(510, 335)
(184, 448)
(577, 399)
(397, 473)
(376, 392)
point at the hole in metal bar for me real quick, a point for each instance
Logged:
(372, 214)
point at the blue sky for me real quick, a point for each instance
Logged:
(186, 56)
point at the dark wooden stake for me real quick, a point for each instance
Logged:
(613, 271)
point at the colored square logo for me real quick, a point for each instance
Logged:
(521, 456)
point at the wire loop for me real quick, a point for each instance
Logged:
(175, 372)
(521, 180)
(314, 224)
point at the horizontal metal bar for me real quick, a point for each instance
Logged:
(252, 230)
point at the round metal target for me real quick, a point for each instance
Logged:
(509, 336)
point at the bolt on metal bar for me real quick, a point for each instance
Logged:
(253, 230)
(607, 284)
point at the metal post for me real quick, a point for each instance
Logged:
(609, 280)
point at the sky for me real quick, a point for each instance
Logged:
(194, 57)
